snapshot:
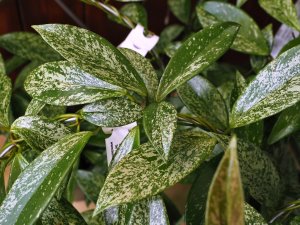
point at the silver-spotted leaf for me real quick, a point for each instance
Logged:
(112, 112)
(225, 201)
(275, 88)
(181, 9)
(136, 13)
(144, 163)
(249, 39)
(287, 123)
(61, 83)
(252, 216)
(282, 10)
(5, 98)
(93, 54)
(29, 46)
(205, 101)
(145, 70)
(39, 132)
(159, 121)
(38, 183)
(20, 80)
(34, 107)
(196, 54)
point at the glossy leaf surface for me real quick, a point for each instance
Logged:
(181, 9)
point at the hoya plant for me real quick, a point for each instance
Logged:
(230, 132)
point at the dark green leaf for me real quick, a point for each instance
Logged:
(112, 112)
(93, 220)
(252, 217)
(123, 182)
(195, 54)
(13, 63)
(225, 201)
(287, 123)
(51, 111)
(29, 46)
(160, 124)
(37, 184)
(249, 39)
(38, 132)
(181, 9)
(290, 45)
(205, 101)
(93, 54)
(282, 10)
(169, 34)
(275, 88)
(61, 83)
(19, 82)
(2, 65)
(136, 13)
(34, 107)
(5, 93)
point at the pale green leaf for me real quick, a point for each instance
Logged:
(205, 101)
(159, 121)
(287, 123)
(275, 88)
(136, 13)
(252, 217)
(34, 107)
(38, 132)
(2, 66)
(123, 182)
(61, 83)
(112, 112)
(181, 9)
(225, 201)
(249, 39)
(239, 3)
(196, 54)
(5, 93)
(145, 70)
(3, 164)
(37, 184)
(282, 10)
(29, 46)
(93, 54)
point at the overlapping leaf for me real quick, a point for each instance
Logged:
(93, 54)
(160, 123)
(181, 9)
(249, 39)
(112, 112)
(136, 13)
(123, 182)
(38, 183)
(61, 83)
(38, 132)
(205, 101)
(275, 88)
(5, 97)
(252, 216)
(196, 54)
(34, 107)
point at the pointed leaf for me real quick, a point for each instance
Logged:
(145, 70)
(275, 88)
(37, 184)
(160, 123)
(5, 93)
(123, 183)
(282, 10)
(112, 112)
(249, 39)
(93, 54)
(2, 66)
(136, 13)
(287, 123)
(20, 80)
(225, 202)
(181, 9)
(38, 132)
(34, 107)
(289, 45)
(61, 83)
(205, 101)
(29, 46)
(239, 3)
(196, 54)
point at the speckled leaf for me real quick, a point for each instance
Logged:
(112, 112)
(38, 132)
(249, 38)
(136, 13)
(61, 212)
(181, 9)
(282, 10)
(252, 133)
(37, 184)
(295, 220)
(96, 220)
(287, 123)
(205, 101)
(61, 83)
(239, 3)
(225, 201)
(275, 88)
(226, 90)
(19, 82)
(2, 65)
(123, 183)
(145, 70)
(29, 46)
(252, 217)
(34, 107)
(3, 164)
(196, 54)
(52, 111)
(18, 164)
(171, 48)
(93, 54)
(160, 124)
(5, 93)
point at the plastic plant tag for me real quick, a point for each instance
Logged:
(138, 42)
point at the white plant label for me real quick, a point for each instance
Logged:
(138, 42)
